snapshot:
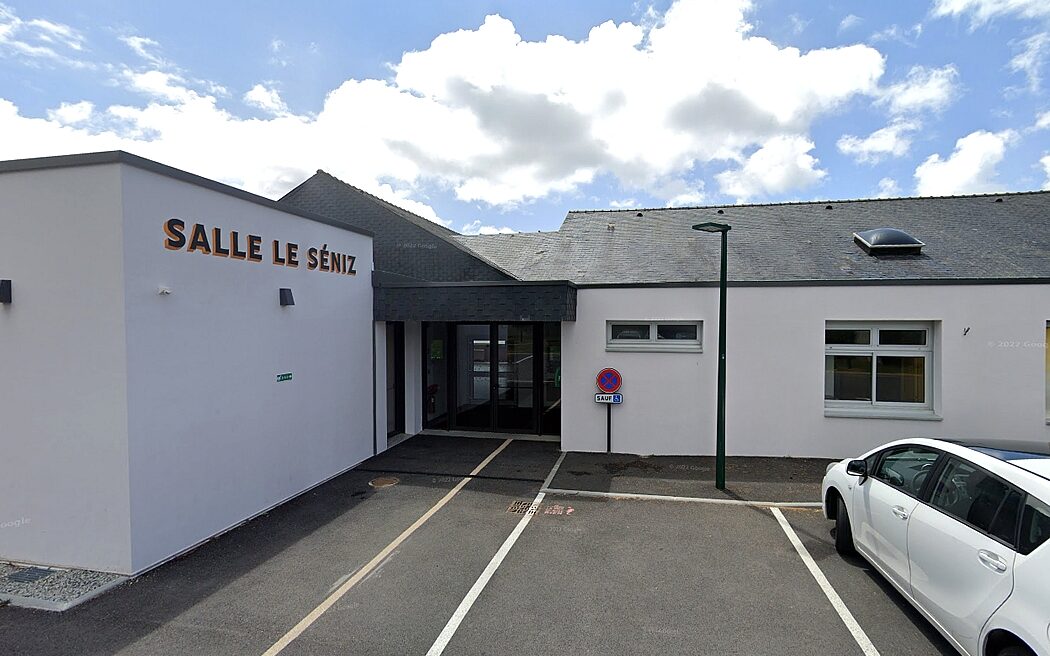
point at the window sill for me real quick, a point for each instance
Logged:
(655, 348)
(868, 413)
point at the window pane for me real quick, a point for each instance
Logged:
(900, 379)
(837, 336)
(676, 331)
(1035, 525)
(630, 331)
(902, 337)
(1004, 526)
(965, 492)
(847, 377)
(906, 468)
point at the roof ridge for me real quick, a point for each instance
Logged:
(811, 202)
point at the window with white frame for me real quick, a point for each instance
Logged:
(654, 336)
(878, 366)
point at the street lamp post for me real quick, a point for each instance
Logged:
(720, 445)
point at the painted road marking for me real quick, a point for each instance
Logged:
(836, 601)
(664, 497)
(475, 591)
(362, 573)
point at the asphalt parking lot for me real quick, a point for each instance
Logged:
(442, 563)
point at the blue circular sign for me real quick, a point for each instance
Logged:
(608, 380)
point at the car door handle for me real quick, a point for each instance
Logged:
(991, 561)
(900, 512)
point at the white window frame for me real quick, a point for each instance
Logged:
(875, 408)
(654, 345)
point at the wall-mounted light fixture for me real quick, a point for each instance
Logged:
(5, 292)
(286, 297)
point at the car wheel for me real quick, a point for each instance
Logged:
(843, 531)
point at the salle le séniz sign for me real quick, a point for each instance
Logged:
(231, 244)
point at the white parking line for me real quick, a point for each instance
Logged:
(330, 601)
(475, 591)
(664, 497)
(836, 601)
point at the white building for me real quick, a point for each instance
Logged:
(831, 349)
(141, 406)
(156, 391)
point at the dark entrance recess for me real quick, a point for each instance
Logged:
(503, 377)
(395, 378)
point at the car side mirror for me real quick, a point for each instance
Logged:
(857, 468)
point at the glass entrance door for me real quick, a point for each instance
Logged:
(516, 375)
(474, 376)
(493, 377)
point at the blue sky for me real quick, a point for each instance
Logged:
(504, 115)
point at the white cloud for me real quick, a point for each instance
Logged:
(894, 140)
(1042, 121)
(798, 25)
(782, 164)
(922, 89)
(849, 22)
(38, 40)
(642, 105)
(1030, 59)
(475, 228)
(626, 203)
(71, 113)
(277, 49)
(888, 188)
(982, 11)
(145, 48)
(161, 85)
(906, 35)
(970, 169)
(1046, 167)
(266, 99)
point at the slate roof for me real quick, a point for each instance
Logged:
(404, 243)
(968, 238)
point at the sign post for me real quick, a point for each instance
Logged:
(608, 381)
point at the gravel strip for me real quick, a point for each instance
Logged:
(63, 586)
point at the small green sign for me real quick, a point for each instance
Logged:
(283, 377)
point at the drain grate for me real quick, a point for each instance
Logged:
(520, 507)
(29, 575)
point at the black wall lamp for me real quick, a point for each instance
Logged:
(5, 292)
(286, 296)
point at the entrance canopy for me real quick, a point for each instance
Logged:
(485, 301)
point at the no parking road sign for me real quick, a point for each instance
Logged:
(609, 380)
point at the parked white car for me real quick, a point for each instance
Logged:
(960, 529)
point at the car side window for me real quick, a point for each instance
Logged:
(1035, 526)
(906, 467)
(978, 498)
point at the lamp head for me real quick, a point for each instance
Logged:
(712, 227)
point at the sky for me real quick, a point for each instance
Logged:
(492, 116)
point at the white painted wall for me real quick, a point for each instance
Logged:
(413, 377)
(987, 386)
(213, 437)
(63, 419)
